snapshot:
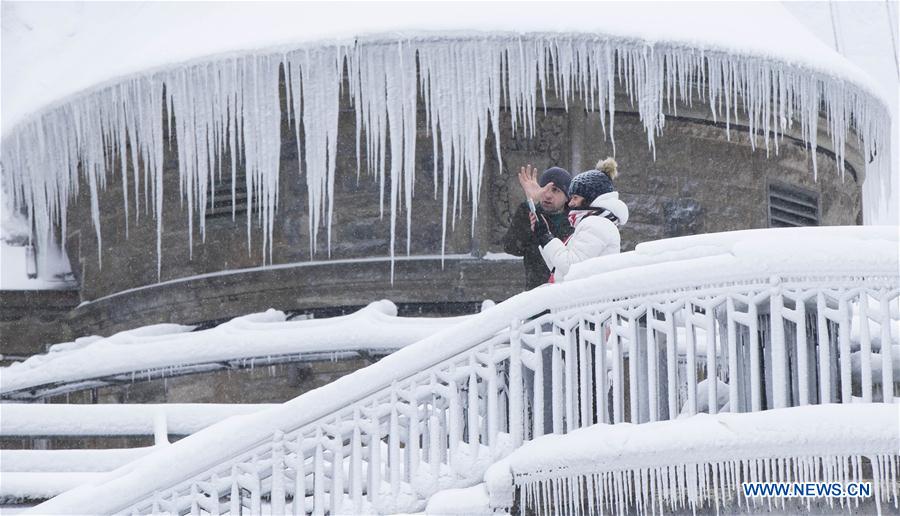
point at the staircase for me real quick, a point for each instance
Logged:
(779, 318)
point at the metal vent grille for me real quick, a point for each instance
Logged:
(790, 206)
(220, 198)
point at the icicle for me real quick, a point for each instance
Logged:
(233, 104)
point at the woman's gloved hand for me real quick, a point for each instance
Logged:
(541, 228)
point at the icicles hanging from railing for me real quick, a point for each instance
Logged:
(232, 105)
(864, 483)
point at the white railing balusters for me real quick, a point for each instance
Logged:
(617, 373)
(493, 416)
(298, 505)
(733, 371)
(690, 342)
(473, 419)
(557, 395)
(824, 350)
(780, 381)
(585, 413)
(538, 406)
(568, 343)
(667, 325)
(621, 358)
(277, 493)
(394, 443)
(356, 458)
(865, 349)
(887, 355)
(652, 367)
(516, 387)
(601, 368)
(712, 379)
(844, 342)
(319, 475)
(635, 364)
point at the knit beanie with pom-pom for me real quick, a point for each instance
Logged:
(594, 183)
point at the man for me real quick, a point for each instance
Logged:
(550, 196)
(595, 213)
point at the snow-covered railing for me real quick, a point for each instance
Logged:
(261, 339)
(39, 474)
(700, 462)
(116, 419)
(770, 314)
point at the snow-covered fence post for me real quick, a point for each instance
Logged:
(690, 341)
(733, 372)
(298, 504)
(776, 338)
(516, 398)
(824, 348)
(570, 377)
(557, 396)
(887, 357)
(652, 367)
(276, 495)
(618, 376)
(356, 484)
(584, 364)
(160, 427)
(865, 346)
(844, 347)
(712, 380)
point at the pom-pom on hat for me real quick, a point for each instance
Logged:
(558, 176)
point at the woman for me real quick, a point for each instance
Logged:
(596, 213)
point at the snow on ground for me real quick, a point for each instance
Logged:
(470, 501)
(375, 327)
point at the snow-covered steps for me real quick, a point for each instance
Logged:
(699, 463)
(169, 349)
(776, 322)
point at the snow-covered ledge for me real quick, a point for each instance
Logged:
(222, 98)
(698, 462)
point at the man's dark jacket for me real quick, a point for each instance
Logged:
(520, 241)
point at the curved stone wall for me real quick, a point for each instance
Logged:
(702, 180)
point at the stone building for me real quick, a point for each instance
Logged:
(701, 174)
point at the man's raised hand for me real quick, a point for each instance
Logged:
(528, 180)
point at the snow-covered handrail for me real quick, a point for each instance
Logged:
(256, 339)
(774, 324)
(38, 474)
(115, 419)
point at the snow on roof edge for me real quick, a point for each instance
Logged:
(861, 80)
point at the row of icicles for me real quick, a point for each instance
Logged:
(233, 107)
